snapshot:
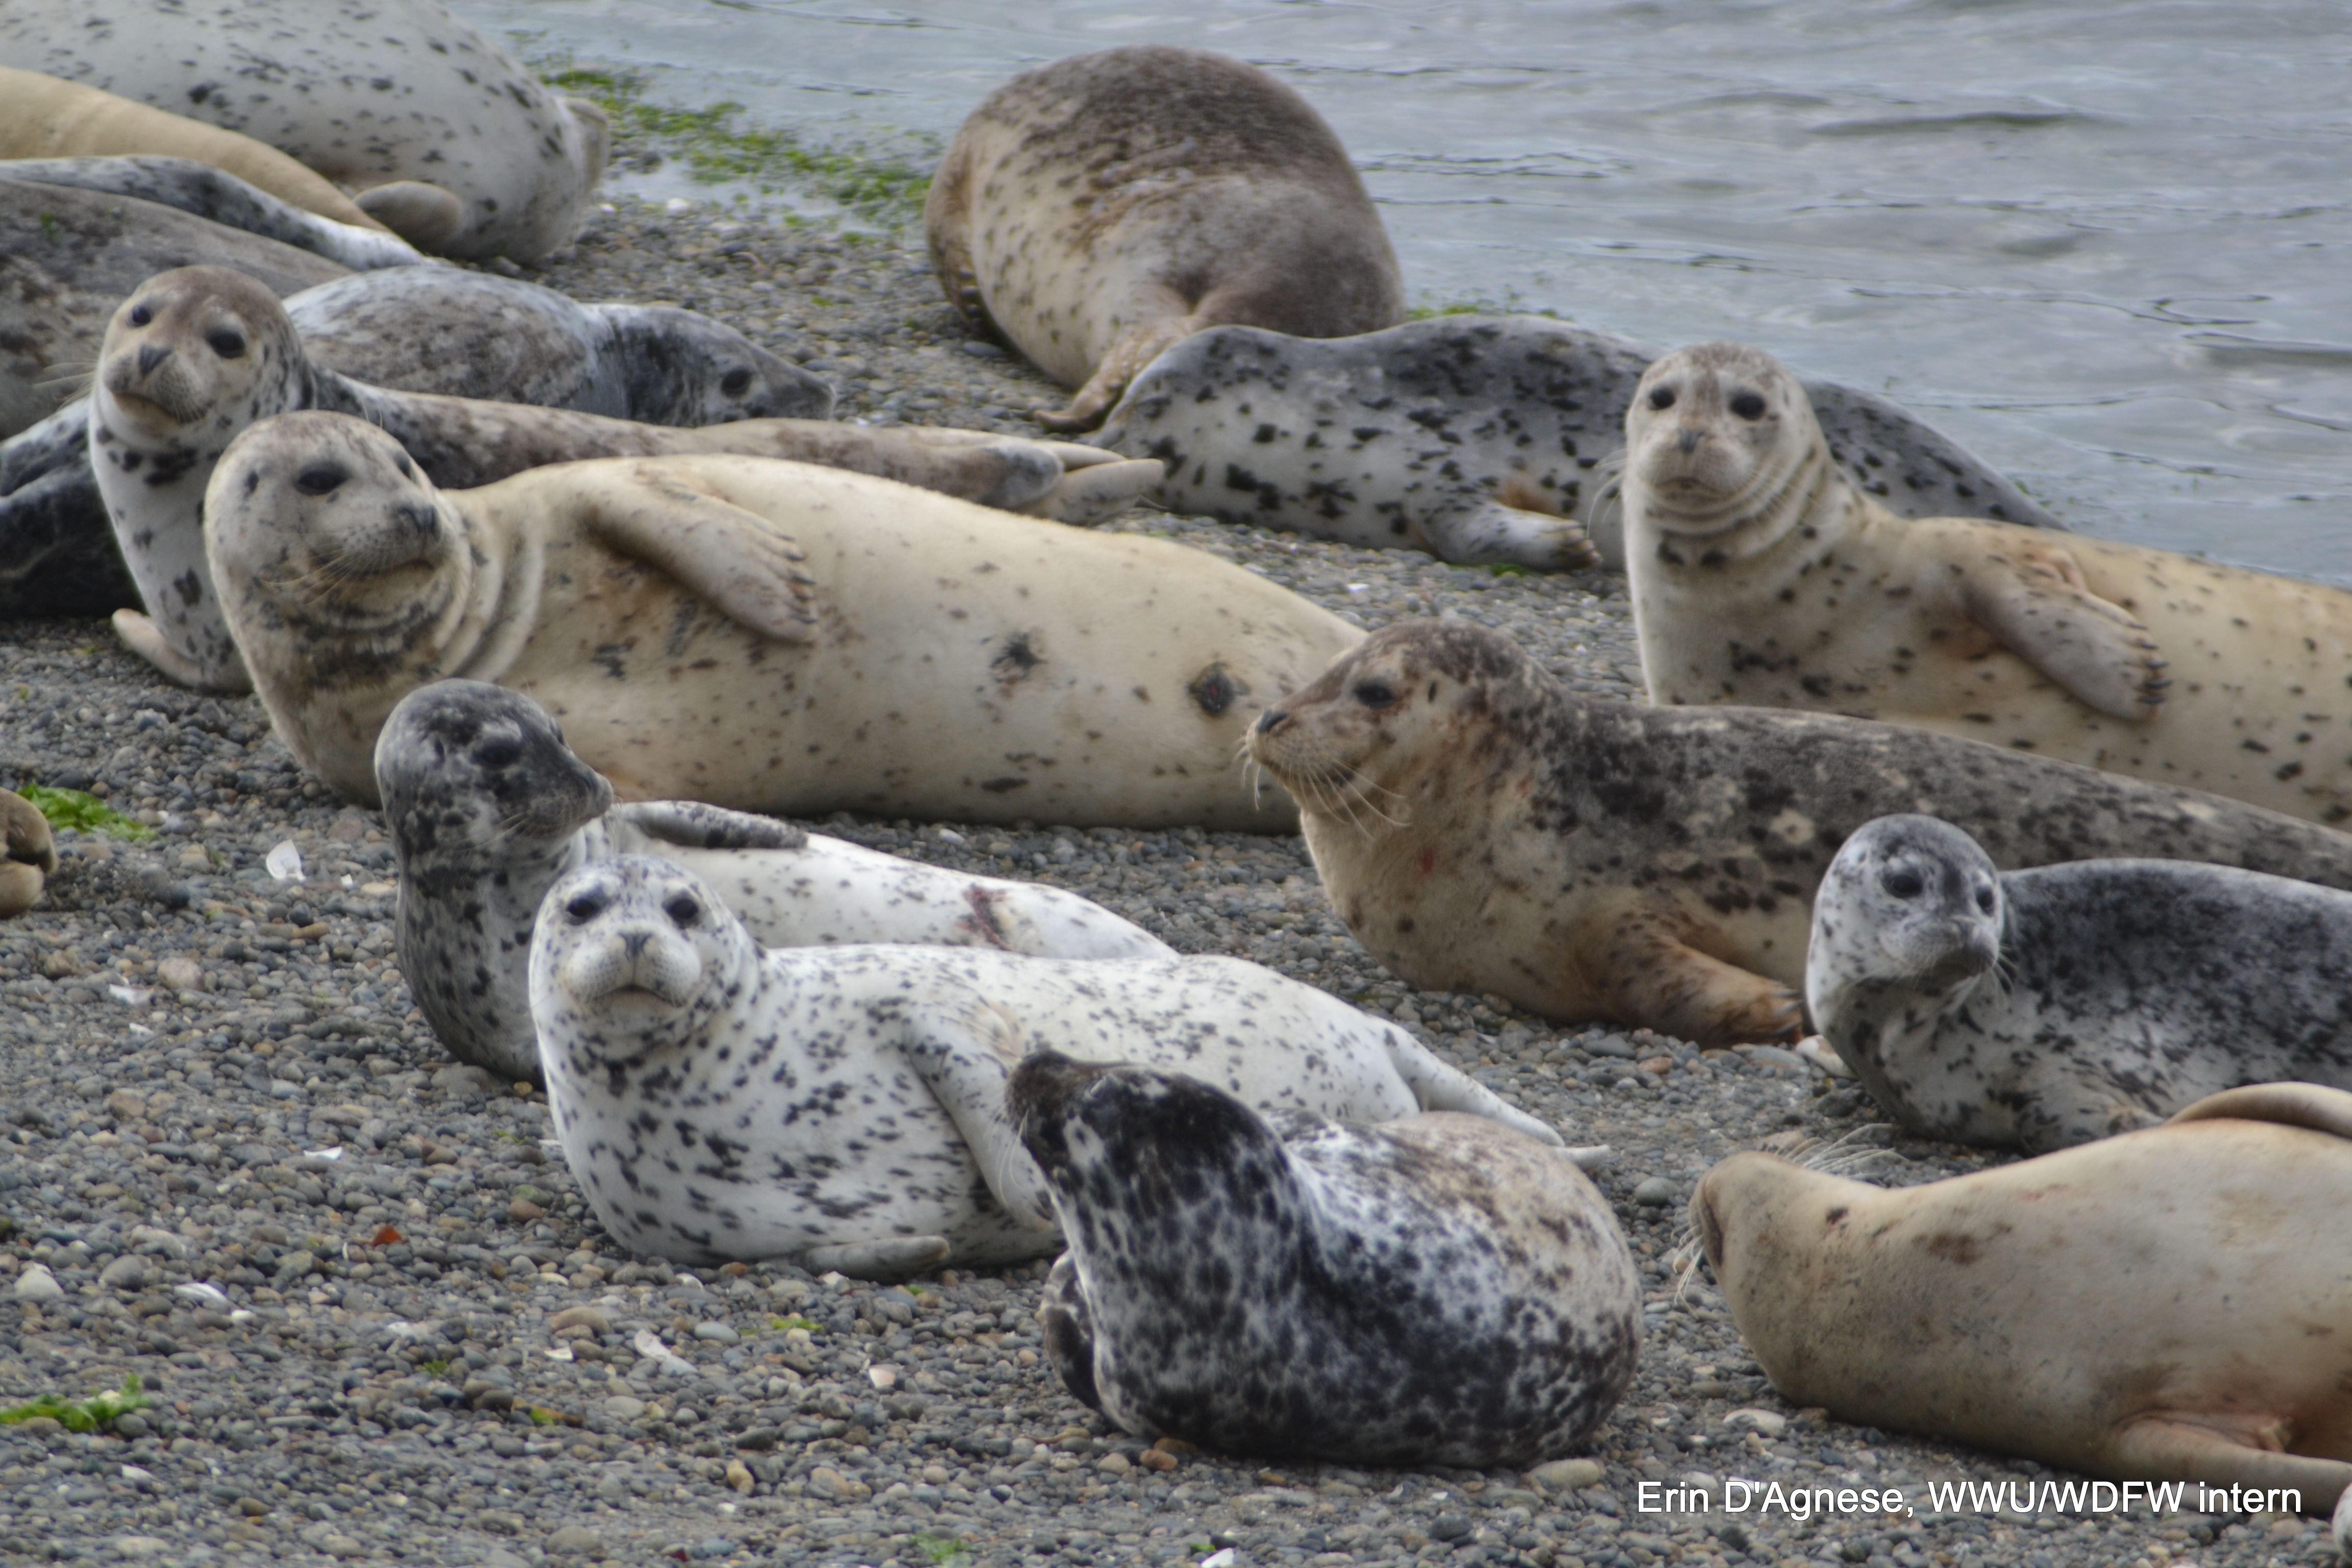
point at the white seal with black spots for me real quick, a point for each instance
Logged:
(2051, 1006)
(488, 807)
(844, 1106)
(1436, 1289)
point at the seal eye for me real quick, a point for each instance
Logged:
(1747, 405)
(1376, 694)
(1985, 899)
(226, 343)
(140, 315)
(586, 906)
(1661, 397)
(1902, 882)
(735, 383)
(323, 479)
(497, 754)
(683, 910)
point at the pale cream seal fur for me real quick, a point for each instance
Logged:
(1097, 209)
(1762, 576)
(30, 856)
(2166, 1305)
(757, 633)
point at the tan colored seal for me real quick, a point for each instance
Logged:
(30, 858)
(1762, 576)
(1099, 208)
(1482, 828)
(2166, 1305)
(923, 658)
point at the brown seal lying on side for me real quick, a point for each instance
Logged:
(1482, 828)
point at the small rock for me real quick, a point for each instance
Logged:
(1116, 1464)
(1656, 1193)
(468, 1080)
(37, 1284)
(575, 1541)
(138, 1545)
(343, 1546)
(125, 1105)
(621, 1407)
(127, 1274)
(829, 1481)
(739, 1475)
(181, 972)
(1566, 1475)
(522, 1211)
(717, 1333)
(1158, 1459)
(1772, 1423)
(580, 1317)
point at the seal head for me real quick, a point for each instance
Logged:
(1723, 455)
(634, 961)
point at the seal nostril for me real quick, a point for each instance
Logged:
(417, 519)
(1688, 441)
(151, 355)
(1270, 720)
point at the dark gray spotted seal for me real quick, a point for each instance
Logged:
(487, 808)
(1480, 827)
(218, 196)
(1478, 438)
(1433, 1290)
(2051, 1006)
(844, 1106)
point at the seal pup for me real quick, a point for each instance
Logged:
(1482, 828)
(1096, 210)
(756, 633)
(488, 807)
(1436, 1289)
(1480, 439)
(196, 355)
(1985, 1309)
(397, 100)
(2051, 1006)
(217, 197)
(844, 1106)
(31, 854)
(1761, 576)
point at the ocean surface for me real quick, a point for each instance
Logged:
(2107, 244)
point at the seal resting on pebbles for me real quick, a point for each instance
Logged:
(1095, 210)
(1482, 828)
(31, 856)
(1436, 1289)
(486, 807)
(844, 1106)
(1761, 575)
(756, 633)
(2053, 1006)
(1478, 438)
(197, 355)
(2160, 1306)
(218, 196)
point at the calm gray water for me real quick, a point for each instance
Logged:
(2105, 243)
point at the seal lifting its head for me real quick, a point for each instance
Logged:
(1718, 436)
(464, 765)
(636, 955)
(185, 355)
(1912, 899)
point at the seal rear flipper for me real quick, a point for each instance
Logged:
(1067, 1328)
(748, 568)
(1137, 347)
(2307, 1105)
(1479, 531)
(1648, 977)
(890, 1258)
(139, 634)
(1096, 492)
(2033, 598)
(691, 825)
(423, 214)
(2226, 1450)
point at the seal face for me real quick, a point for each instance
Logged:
(1478, 438)
(1981, 1309)
(488, 807)
(1761, 575)
(2053, 1006)
(1096, 210)
(1482, 828)
(1433, 1290)
(846, 1105)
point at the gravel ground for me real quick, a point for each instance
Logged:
(419, 1346)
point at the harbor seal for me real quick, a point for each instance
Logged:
(844, 1106)
(196, 355)
(2053, 1006)
(1983, 1308)
(397, 100)
(217, 197)
(486, 807)
(756, 633)
(1482, 828)
(1481, 439)
(1095, 210)
(31, 856)
(1761, 576)
(1436, 1289)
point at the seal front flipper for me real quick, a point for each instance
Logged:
(1067, 1325)
(2035, 600)
(890, 1258)
(1648, 975)
(966, 1058)
(1478, 531)
(1096, 492)
(2232, 1448)
(691, 825)
(2308, 1105)
(140, 634)
(745, 565)
(1438, 1087)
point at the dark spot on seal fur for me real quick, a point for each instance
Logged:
(1953, 1247)
(1016, 658)
(1216, 688)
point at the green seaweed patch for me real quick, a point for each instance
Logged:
(85, 813)
(1506, 307)
(82, 1415)
(786, 1325)
(718, 145)
(942, 1549)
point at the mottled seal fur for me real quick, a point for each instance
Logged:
(218, 196)
(486, 807)
(2053, 1006)
(370, 93)
(30, 858)
(761, 634)
(1761, 575)
(197, 355)
(1436, 1289)
(1478, 438)
(1482, 828)
(2166, 1305)
(844, 1106)
(1095, 210)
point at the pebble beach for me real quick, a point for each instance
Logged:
(371, 1318)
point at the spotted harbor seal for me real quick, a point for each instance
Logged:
(846, 1106)
(1984, 1309)
(1095, 210)
(31, 856)
(197, 355)
(1478, 438)
(1482, 828)
(2068, 1003)
(1761, 576)
(756, 633)
(488, 807)
(217, 197)
(1435, 1289)
(397, 100)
